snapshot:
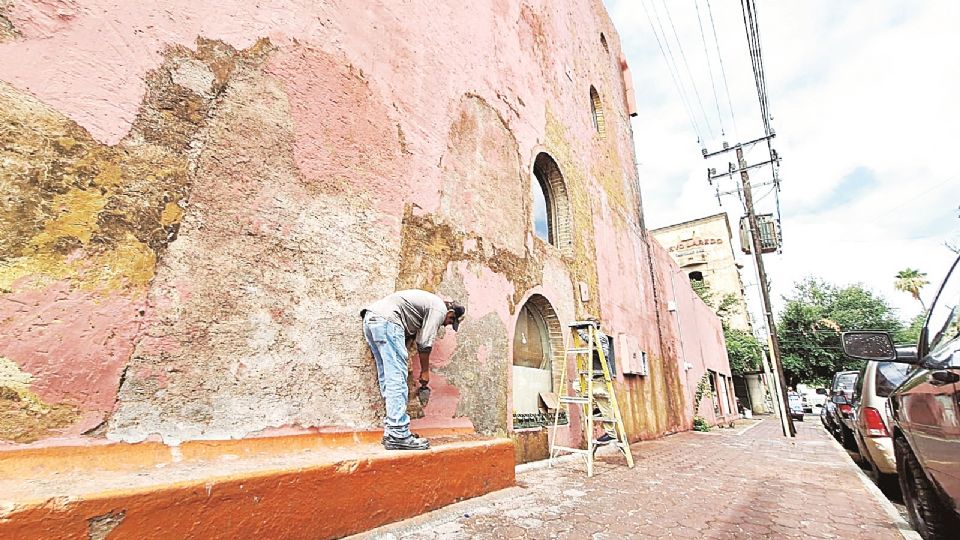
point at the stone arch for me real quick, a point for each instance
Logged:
(538, 356)
(559, 216)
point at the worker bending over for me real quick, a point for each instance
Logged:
(387, 323)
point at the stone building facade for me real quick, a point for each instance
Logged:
(197, 205)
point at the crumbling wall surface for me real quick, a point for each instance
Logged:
(256, 304)
(636, 316)
(82, 226)
(196, 207)
(695, 334)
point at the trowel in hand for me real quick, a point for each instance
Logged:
(423, 394)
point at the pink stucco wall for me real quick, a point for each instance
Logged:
(300, 161)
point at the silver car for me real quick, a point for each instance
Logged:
(871, 420)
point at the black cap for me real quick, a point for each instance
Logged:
(458, 313)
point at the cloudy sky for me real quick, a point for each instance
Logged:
(865, 99)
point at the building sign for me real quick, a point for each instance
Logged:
(686, 244)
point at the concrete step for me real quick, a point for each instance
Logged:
(297, 486)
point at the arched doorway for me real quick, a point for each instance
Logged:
(537, 348)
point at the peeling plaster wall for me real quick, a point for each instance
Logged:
(697, 335)
(196, 207)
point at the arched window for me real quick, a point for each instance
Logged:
(603, 42)
(696, 276)
(551, 206)
(596, 109)
(541, 213)
(537, 347)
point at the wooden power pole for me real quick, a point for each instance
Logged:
(756, 250)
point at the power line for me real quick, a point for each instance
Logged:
(723, 70)
(751, 25)
(671, 67)
(713, 82)
(693, 82)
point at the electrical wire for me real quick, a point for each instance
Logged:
(671, 68)
(751, 26)
(713, 82)
(693, 81)
(723, 71)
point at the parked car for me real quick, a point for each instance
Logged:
(813, 398)
(870, 420)
(839, 407)
(825, 415)
(796, 406)
(925, 411)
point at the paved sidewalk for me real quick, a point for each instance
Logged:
(748, 482)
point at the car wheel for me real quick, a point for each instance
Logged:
(886, 482)
(927, 513)
(847, 440)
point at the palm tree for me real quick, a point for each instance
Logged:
(911, 281)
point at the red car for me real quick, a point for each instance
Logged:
(925, 410)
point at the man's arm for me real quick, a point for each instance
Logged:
(426, 337)
(424, 366)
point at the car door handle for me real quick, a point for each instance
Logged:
(945, 377)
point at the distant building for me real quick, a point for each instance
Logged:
(703, 248)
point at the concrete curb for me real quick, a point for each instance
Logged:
(906, 531)
(442, 515)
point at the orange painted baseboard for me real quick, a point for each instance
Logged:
(306, 494)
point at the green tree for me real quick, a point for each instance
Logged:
(743, 350)
(911, 281)
(811, 323)
(910, 334)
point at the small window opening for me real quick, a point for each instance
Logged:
(541, 212)
(596, 108)
(551, 208)
(696, 276)
(603, 41)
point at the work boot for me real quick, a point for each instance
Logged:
(407, 443)
(384, 439)
(605, 439)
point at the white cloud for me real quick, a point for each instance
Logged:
(867, 86)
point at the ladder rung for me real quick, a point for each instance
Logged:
(602, 419)
(574, 399)
(569, 449)
(579, 350)
(595, 372)
(581, 324)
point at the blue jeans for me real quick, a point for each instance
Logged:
(388, 344)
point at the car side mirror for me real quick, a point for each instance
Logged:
(869, 345)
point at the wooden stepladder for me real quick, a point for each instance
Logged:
(583, 394)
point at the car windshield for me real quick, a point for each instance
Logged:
(794, 398)
(889, 376)
(846, 382)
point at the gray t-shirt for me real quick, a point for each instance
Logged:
(418, 312)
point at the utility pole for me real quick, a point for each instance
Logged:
(756, 251)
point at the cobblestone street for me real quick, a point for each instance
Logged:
(747, 482)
